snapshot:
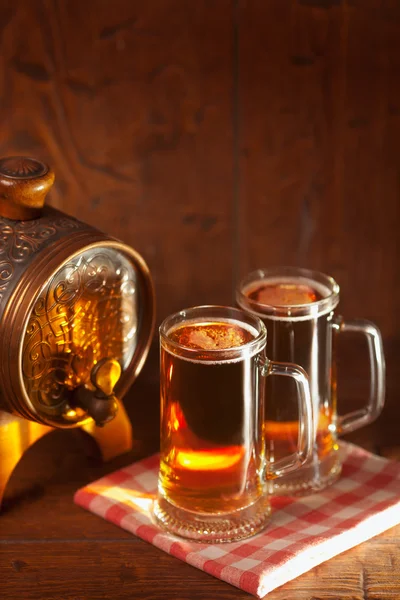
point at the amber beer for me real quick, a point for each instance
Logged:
(213, 469)
(297, 312)
(207, 427)
(297, 307)
(308, 343)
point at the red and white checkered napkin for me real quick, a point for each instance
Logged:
(303, 532)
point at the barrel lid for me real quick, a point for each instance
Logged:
(82, 337)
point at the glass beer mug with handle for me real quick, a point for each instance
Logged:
(297, 308)
(213, 471)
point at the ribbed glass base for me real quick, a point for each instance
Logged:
(309, 478)
(209, 528)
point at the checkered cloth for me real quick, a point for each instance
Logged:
(303, 532)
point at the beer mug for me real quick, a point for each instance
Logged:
(213, 470)
(297, 308)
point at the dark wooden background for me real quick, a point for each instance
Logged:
(218, 136)
(214, 136)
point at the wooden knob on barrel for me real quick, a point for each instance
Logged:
(24, 184)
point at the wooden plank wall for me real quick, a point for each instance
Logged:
(319, 102)
(216, 136)
(131, 103)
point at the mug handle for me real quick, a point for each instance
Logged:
(367, 414)
(304, 450)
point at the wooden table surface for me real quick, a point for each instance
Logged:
(51, 549)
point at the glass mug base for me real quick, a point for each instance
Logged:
(212, 528)
(310, 478)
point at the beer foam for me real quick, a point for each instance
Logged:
(289, 291)
(219, 335)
